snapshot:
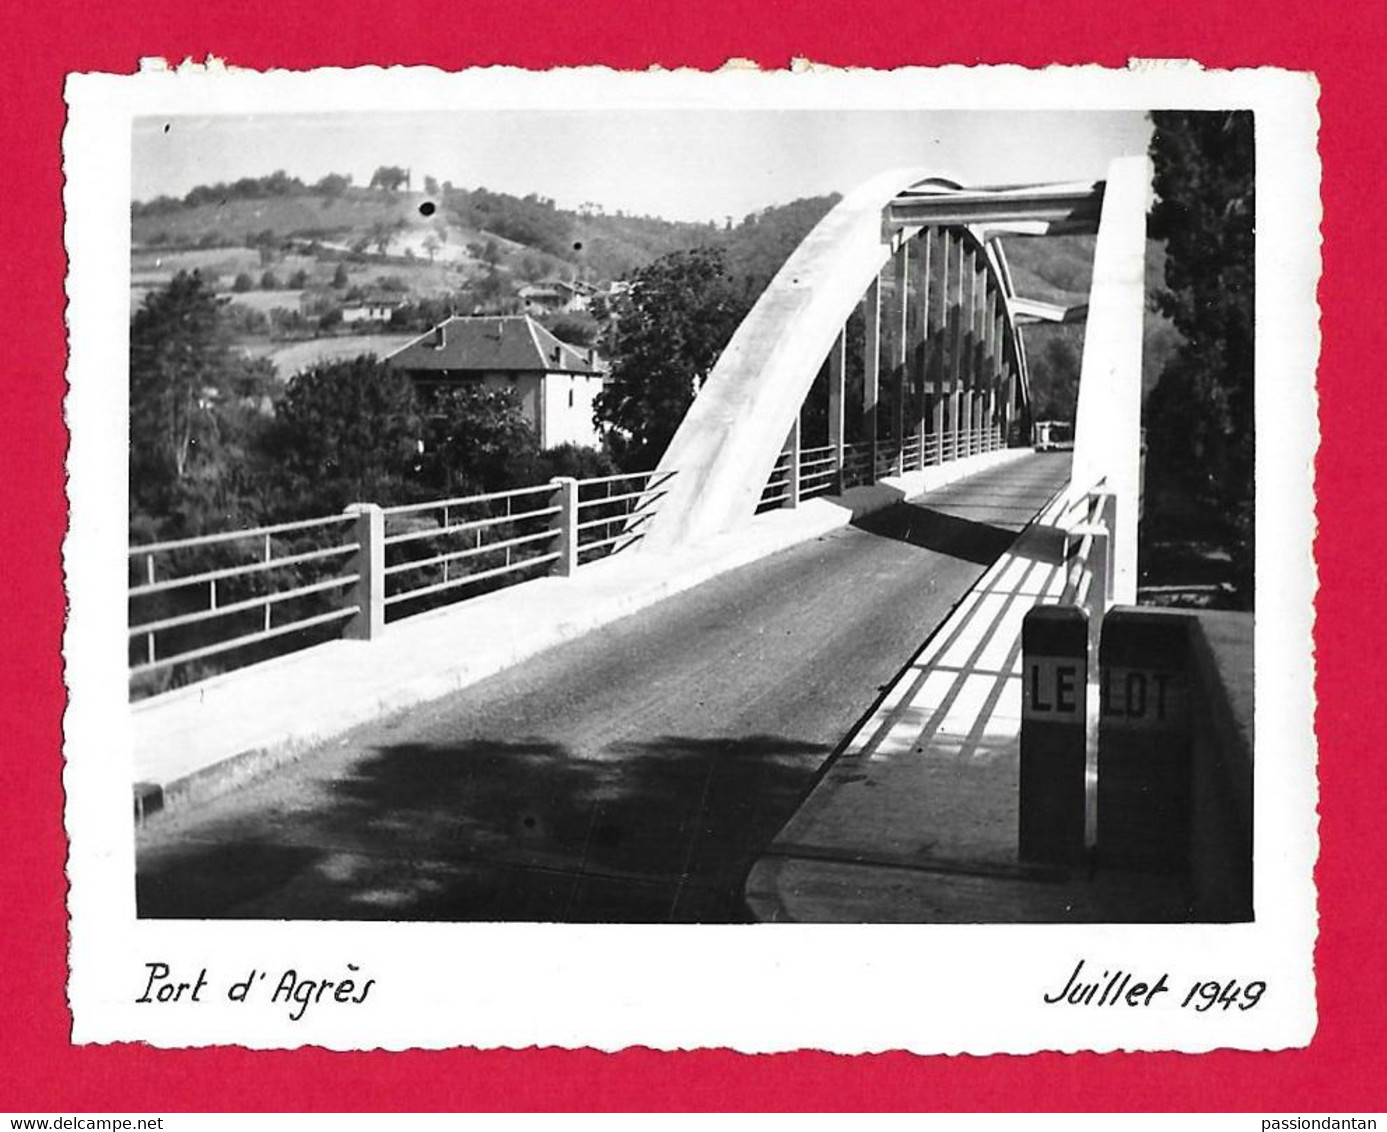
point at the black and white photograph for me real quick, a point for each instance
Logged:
(645, 527)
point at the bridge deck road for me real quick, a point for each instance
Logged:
(633, 775)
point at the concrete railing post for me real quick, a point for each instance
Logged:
(368, 564)
(1054, 729)
(1107, 515)
(565, 525)
(1100, 589)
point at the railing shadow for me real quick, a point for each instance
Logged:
(938, 531)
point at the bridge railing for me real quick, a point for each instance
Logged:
(468, 541)
(1087, 520)
(209, 604)
(778, 490)
(857, 459)
(197, 598)
(614, 511)
(820, 471)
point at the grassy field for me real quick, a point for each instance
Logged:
(356, 211)
(293, 357)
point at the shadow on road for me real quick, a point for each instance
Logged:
(658, 831)
(929, 529)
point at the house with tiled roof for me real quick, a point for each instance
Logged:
(551, 296)
(555, 383)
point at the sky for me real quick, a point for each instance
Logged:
(677, 164)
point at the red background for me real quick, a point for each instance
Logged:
(41, 1071)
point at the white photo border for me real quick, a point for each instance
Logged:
(755, 988)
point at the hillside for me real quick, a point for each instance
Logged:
(468, 229)
(1059, 269)
(286, 256)
(291, 260)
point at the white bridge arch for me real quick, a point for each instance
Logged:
(952, 333)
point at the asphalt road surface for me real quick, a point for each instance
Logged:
(631, 776)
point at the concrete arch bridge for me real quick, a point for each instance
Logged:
(749, 624)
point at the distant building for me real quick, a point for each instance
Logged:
(555, 383)
(374, 308)
(555, 296)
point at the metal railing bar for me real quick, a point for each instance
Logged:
(661, 476)
(631, 520)
(618, 498)
(239, 606)
(469, 579)
(248, 639)
(469, 525)
(236, 571)
(470, 552)
(233, 536)
(464, 500)
(598, 544)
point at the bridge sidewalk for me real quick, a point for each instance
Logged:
(916, 819)
(203, 739)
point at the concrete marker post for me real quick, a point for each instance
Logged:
(1144, 741)
(1054, 713)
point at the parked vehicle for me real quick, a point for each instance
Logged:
(1053, 435)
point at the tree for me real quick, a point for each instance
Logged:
(577, 329)
(269, 281)
(299, 280)
(243, 282)
(381, 234)
(1054, 358)
(431, 186)
(344, 432)
(1200, 415)
(671, 326)
(476, 439)
(192, 405)
(339, 277)
(389, 177)
(333, 185)
(763, 241)
(490, 288)
(573, 460)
